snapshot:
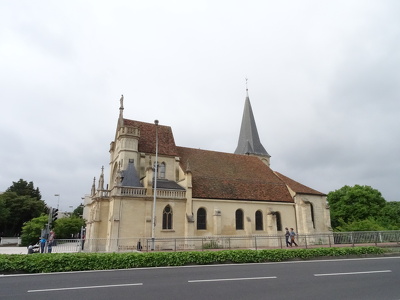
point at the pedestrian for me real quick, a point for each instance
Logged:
(49, 247)
(287, 235)
(42, 244)
(292, 235)
(52, 236)
(83, 241)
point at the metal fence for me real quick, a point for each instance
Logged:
(10, 241)
(333, 239)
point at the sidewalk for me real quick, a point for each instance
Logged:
(13, 250)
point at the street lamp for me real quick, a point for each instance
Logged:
(153, 218)
(58, 201)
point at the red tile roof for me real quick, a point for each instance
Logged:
(147, 139)
(298, 187)
(218, 175)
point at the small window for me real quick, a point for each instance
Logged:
(162, 171)
(259, 220)
(239, 219)
(201, 218)
(312, 215)
(167, 218)
(278, 221)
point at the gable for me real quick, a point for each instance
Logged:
(147, 139)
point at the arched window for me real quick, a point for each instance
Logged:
(278, 221)
(312, 215)
(201, 218)
(239, 219)
(259, 220)
(162, 170)
(167, 218)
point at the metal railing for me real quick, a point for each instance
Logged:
(10, 241)
(257, 242)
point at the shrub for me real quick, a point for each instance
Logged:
(64, 262)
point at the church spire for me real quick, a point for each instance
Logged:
(249, 141)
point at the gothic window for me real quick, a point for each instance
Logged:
(259, 220)
(161, 171)
(278, 221)
(167, 218)
(312, 215)
(201, 218)
(239, 219)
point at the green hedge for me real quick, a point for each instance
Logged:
(64, 262)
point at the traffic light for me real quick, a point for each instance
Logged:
(54, 214)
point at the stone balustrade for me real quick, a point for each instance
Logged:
(142, 192)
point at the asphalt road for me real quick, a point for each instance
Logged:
(369, 278)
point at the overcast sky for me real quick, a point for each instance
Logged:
(323, 79)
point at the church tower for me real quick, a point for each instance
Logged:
(124, 155)
(249, 141)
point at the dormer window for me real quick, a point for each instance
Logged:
(160, 170)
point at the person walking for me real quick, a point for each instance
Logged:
(287, 236)
(52, 236)
(292, 235)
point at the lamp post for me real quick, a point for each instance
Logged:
(153, 218)
(58, 201)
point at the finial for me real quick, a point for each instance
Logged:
(247, 89)
(121, 113)
(121, 101)
(188, 166)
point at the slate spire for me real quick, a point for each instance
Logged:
(249, 141)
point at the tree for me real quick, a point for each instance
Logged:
(19, 204)
(32, 230)
(78, 212)
(390, 215)
(4, 215)
(65, 228)
(369, 224)
(356, 203)
(23, 188)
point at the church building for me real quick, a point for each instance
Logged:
(158, 190)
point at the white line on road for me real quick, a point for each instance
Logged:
(84, 287)
(201, 266)
(353, 273)
(230, 279)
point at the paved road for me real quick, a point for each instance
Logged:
(373, 278)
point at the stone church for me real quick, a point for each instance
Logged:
(159, 190)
